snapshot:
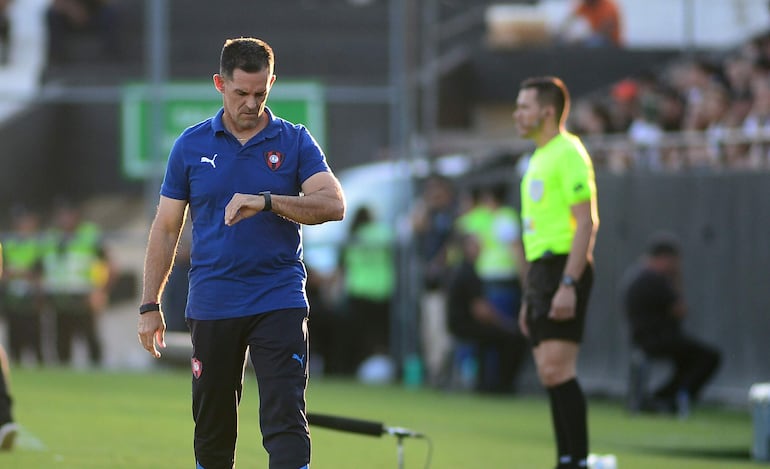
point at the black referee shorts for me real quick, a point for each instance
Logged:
(543, 280)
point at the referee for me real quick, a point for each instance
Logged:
(560, 220)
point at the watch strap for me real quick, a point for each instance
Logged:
(147, 307)
(268, 201)
(568, 281)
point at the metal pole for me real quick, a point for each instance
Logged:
(156, 56)
(689, 26)
(395, 137)
(403, 314)
(429, 86)
(400, 452)
(397, 71)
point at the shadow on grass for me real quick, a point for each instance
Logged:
(734, 453)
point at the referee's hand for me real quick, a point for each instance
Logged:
(523, 319)
(563, 304)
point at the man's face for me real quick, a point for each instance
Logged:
(27, 223)
(67, 219)
(437, 195)
(471, 248)
(667, 265)
(244, 96)
(528, 115)
(672, 266)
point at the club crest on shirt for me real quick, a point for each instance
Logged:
(536, 189)
(197, 368)
(274, 159)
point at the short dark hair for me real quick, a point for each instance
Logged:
(663, 243)
(246, 53)
(551, 91)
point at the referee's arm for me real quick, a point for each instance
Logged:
(581, 251)
(565, 299)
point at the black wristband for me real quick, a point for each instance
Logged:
(268, 201)
(147, 307)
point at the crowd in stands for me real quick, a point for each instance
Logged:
(68, 18)
(67, 22)
(602, 24)
(698, 112)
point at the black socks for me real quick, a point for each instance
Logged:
(569, 415)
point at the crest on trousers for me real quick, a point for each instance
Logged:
(197, 368)
(274, 159)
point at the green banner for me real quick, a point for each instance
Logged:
(186, 104)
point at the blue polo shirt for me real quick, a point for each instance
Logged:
(256, 265)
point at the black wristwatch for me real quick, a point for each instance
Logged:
(268, 201)
(568, 281)
(147, 307)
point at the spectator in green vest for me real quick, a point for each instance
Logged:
(21, 285)
(499, 264)
(369, 278)
(76, 274)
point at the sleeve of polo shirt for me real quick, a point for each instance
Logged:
(312, 159)
(576, 177)
(175, 184)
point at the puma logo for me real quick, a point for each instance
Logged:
(300, 359)
(212, 161)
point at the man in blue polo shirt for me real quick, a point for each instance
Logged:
(250, 179)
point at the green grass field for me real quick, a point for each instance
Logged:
(111, 420)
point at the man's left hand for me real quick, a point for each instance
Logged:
(563, 304)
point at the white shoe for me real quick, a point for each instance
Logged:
(602, 461)
(8, 433)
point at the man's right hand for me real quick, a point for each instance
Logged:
(152, 330)
(523, 319)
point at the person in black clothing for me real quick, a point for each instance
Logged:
(331, 328)
(473, 318)
(8, 428)
(433, 219)
(655, 308)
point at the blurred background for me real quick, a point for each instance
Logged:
(674, 109)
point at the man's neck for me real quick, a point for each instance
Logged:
(546, 136)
